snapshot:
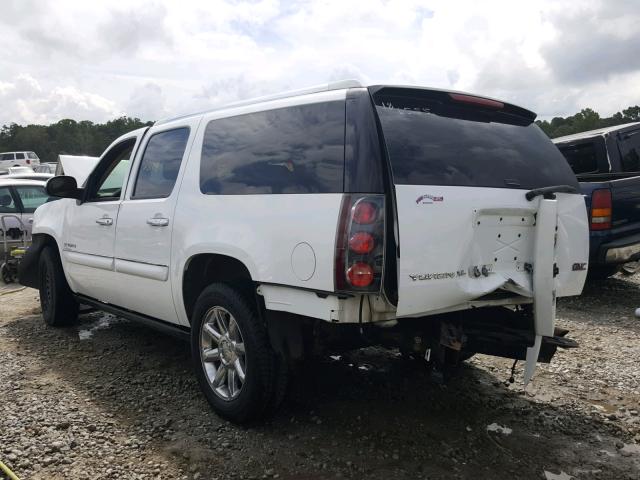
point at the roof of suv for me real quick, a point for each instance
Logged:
(326, 87)
(593, 133)
(339, 85)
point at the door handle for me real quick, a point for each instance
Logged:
(158, 222)
(105, 221)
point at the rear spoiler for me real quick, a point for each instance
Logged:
(415, 97)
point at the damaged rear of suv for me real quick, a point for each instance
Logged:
(439, 223)
(489, 223)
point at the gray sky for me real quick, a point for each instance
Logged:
(99, 59)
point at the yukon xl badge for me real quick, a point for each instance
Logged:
(426, 199)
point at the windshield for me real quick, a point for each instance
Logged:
(433, 144)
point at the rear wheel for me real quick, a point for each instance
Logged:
(59, 307)
(602, 272)
(235, 365)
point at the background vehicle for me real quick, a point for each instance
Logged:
(17, 159)
(49, 167)
(607, 164)
(269, 229)
(21, 198)
(26, 173)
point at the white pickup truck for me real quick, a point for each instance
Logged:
(440, 223)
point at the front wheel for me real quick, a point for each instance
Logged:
(234, 362)
(59, 307)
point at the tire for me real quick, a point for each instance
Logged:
(5, 271)
(59, 307)
(599, 273)
(222, 320)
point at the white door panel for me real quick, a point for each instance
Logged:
(89, 228)
(459, 243)
(144, 232)
(143, 252)
(87, 250)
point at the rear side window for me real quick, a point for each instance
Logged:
(7, 156)
(160, 164)
(32, 197)
(289, 150)
(630, 151)
(32, 156)
(582, 157)
(430, 143)
(19, 156)
(6, 201)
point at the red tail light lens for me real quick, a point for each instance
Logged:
(28, 162)
(601, 210)
(364, 213)
(360, 274)
(361, 243)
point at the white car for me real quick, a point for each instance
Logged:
(20, 198)
(26, 173)
(437, 222)
(17, 159)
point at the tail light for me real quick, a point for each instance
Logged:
(28, 162)
(601, 209)
(359, 255)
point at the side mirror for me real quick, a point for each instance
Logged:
(63, 187)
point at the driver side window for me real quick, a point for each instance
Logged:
(109, 176)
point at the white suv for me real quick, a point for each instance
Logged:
(440, 223)
(17, 159)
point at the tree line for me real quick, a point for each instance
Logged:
(88, 138)
(587, 119)
(66, 137)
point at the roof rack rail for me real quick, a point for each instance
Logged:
(338, 85)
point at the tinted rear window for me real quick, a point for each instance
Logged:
(431, 144)
(289, 150)
(582, 157)
(630, 151)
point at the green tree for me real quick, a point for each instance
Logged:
(66, 137)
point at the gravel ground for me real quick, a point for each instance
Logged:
(110, 399)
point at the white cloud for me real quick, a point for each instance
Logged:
(25, 102)
(155, 58)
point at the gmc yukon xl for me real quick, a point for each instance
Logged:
(440, 223)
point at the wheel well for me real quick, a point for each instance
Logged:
(28, 270)
(48, 241)
(207, 268)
